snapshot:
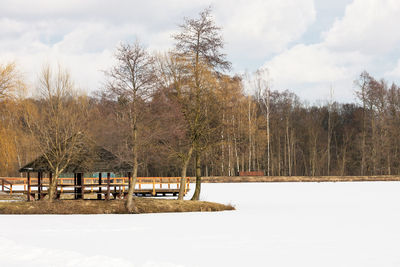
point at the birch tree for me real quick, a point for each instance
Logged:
(263, 92)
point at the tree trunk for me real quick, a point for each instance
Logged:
(268, 139)
(129, 202)
(374, 144)
(222, 146)
(289, 160)
(52, 191)
(329, 143)
(329, 133)
(196, 195)
(250, 141)
(229, 157)
(343, 169)
(183, 173)
(237, 158)
(362, 171)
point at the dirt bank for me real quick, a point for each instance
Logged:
(144, 205)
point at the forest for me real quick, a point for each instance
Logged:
(181, 113)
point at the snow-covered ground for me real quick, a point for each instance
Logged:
(275, 224)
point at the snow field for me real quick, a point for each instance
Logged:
(275, 224)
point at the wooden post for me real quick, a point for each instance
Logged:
(82, 185)
(2, 184)
(39, 179)
(123, 185)
(108, 186)
(187, 185)
(79, 185)
(154, 186)
(75, 188)
(99, 194)
(115, 181)
(29, 186)
(50, 180)
(129, 180)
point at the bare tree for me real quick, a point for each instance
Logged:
(11, 84)
(263, 92)
(200, 43)
(131, 82)
(329, 131)
(173, 73)
(59, 126)
(11, 81)
(362, 84)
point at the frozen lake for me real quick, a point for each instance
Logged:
(275, 224)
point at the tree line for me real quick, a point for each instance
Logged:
(179, 113)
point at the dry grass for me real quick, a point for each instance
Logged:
(8, 197)
(274, 179)
(144, 205)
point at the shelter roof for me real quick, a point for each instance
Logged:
(92, 158)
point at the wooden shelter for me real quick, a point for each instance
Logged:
(91, 159)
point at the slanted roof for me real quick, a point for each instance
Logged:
(93, 158)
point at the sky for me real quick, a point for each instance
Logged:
(308, 46)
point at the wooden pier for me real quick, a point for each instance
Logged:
(92, 188)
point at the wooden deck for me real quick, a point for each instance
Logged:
(92, 187)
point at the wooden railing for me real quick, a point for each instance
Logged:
(117, 183)
(4, 186)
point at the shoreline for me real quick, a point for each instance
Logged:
(143, 205)
(292, 179)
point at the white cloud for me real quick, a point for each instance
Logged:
(369, 26)
(259, 28)
(395, 72)
(306, 64)
(362, 40)
(82, 35)
(310, 71)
